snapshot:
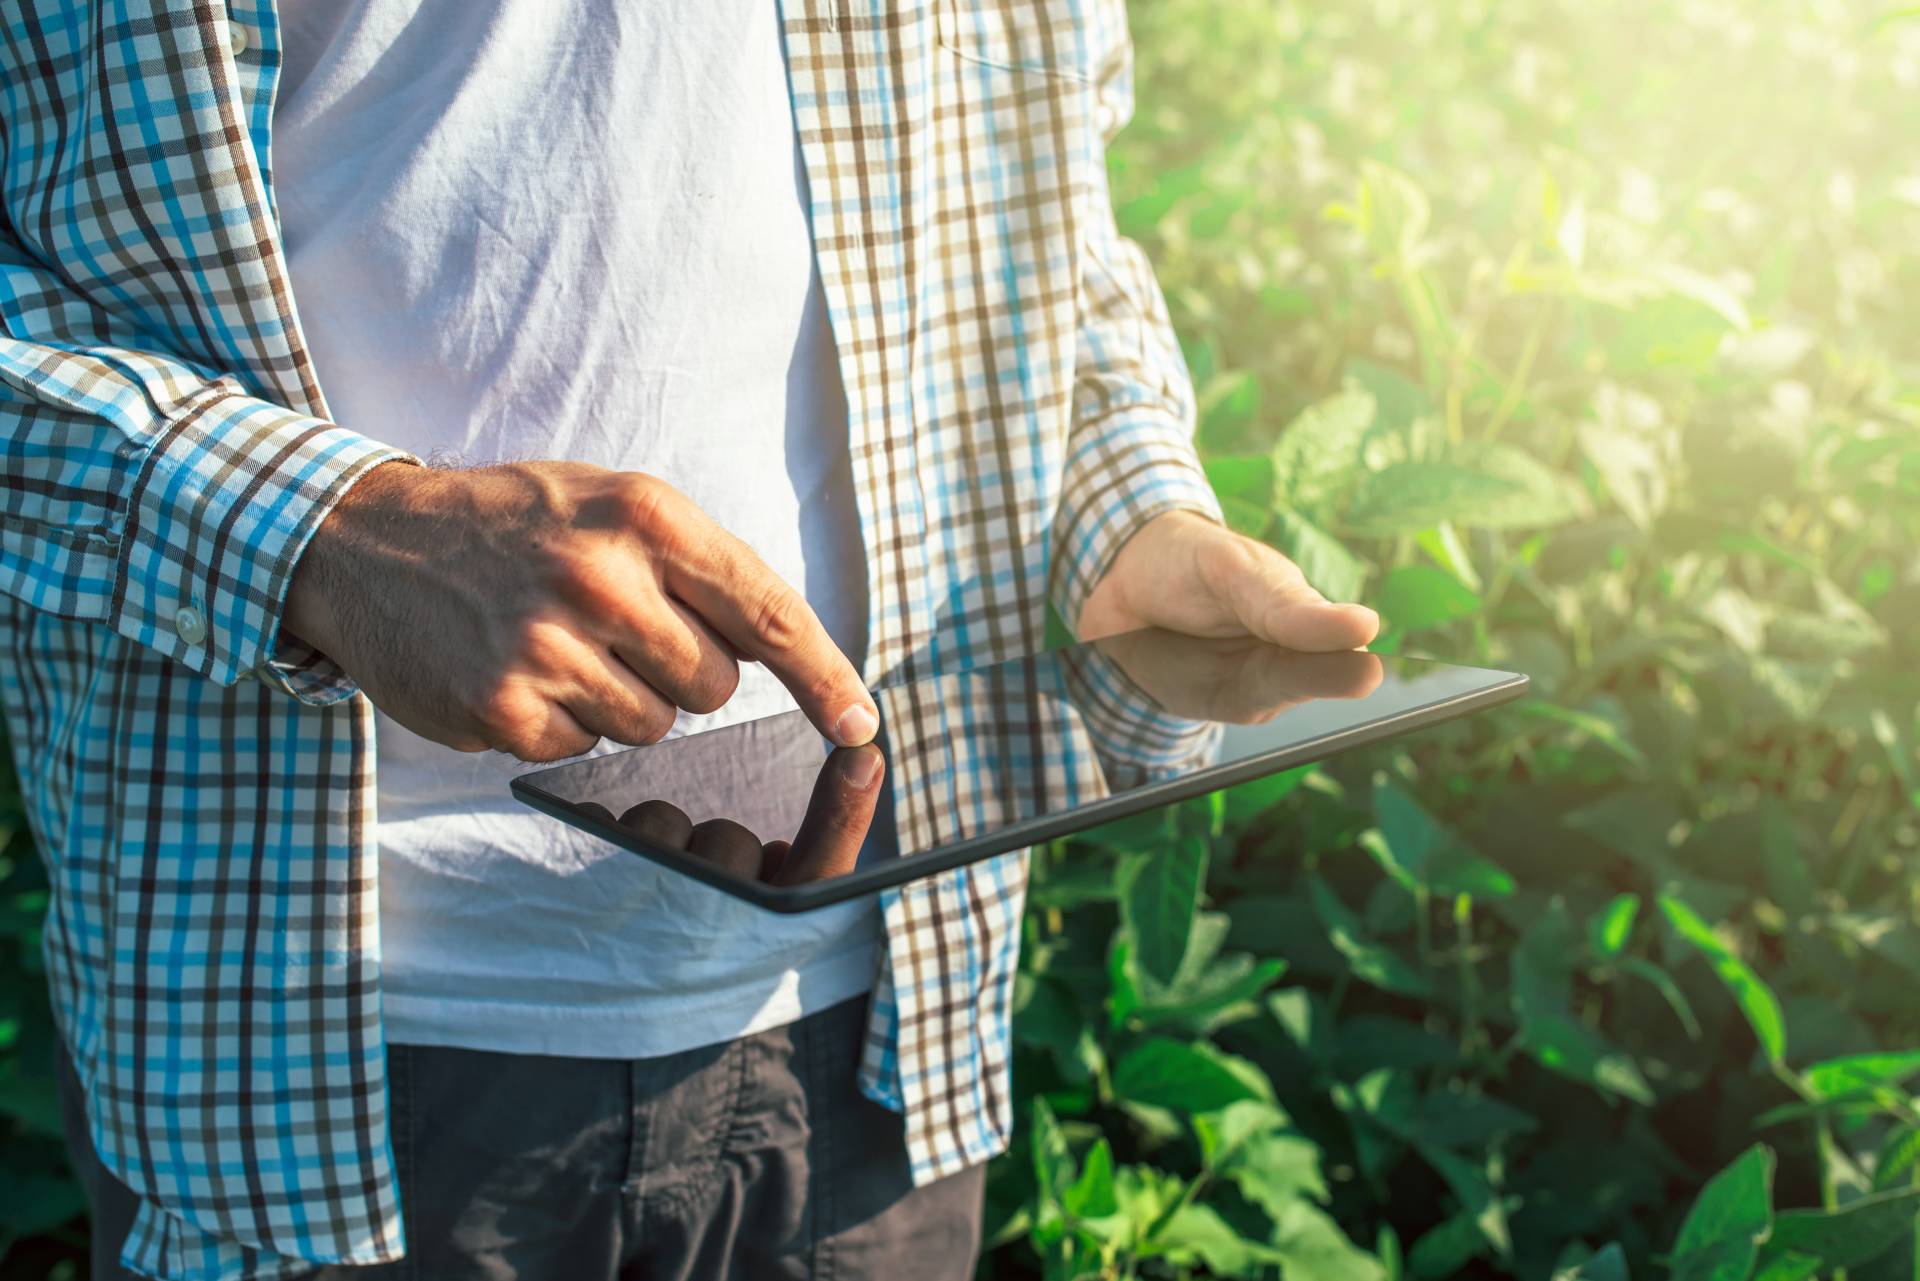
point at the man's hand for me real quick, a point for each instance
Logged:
(537, 608)
(1183, 572)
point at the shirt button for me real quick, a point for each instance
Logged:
(192, 627)
(237, 38)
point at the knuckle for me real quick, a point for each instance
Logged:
(648, 503)
(508, 720)
(780, 618)
(542, 645)
(588, 579)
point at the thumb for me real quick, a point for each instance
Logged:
(1275, 602)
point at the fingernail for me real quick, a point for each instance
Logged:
(861, 767)
(856, 725)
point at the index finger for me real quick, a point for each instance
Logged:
(748, 604)
(839, 815)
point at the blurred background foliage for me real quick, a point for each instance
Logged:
(1579, 339)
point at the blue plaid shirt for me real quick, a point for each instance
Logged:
(201, 787)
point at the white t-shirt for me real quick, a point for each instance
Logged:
(575, 229)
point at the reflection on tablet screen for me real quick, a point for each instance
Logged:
(994, 755)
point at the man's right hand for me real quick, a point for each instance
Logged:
(536, 608)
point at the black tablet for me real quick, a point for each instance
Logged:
(979, 762)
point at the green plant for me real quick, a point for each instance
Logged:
(1571, 340)
(1579, 338)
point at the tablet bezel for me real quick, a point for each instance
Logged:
(811, 896)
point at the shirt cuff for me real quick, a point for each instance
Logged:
(218, 517)
(1120, 474)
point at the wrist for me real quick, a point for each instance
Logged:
(1114, 604)
(309, 612)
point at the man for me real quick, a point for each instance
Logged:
(839, 276)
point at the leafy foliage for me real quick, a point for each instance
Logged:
(1579, 338)
(1571, 341)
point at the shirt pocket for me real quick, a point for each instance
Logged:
(1045, 37)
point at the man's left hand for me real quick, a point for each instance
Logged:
(1187, 574)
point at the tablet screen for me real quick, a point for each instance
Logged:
(993, 759)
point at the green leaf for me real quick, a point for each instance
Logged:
(1047, 1014)
(1467, 1122)
(1576, 1264)
(1416, 597)
(1323, 560)
(1540, 968)
(1248, 801)
(1631, 467)
(1198, 1231)
(1698, 287)
(1412, 834)
(1391, 211)
(1755, 998)
(1159, 897)
(1398, 400)
(1600, 730)
(1854, 1073)
(1248, 1144)
(1478, 1199)
(1733, 1214)
(1561, 1045)
(1539, 496)
(1317, 457)
(1787, 1266)
(1898, 1156)
(1663, 983)
(1496, 487)
(1447, 1249)
(1123, 986)
(1370, 962)
(1186, 1077)
(1146, 1194)
(1854, 1235)
(1225, 992)
(1407, 497)
(1227, 406)
(1091, 1196)
(1244, 485)
(1221, 1133)
(1248, 476)
(1273, 1170)
(1608, 932)
(1053, 1168)
(1309, 1246)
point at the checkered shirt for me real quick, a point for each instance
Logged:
(202, 788)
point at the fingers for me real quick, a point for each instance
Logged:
(534, 728)
(1274, 601)
(721, 842)
(732, 589)
(659, 822)
(838, 817)
(728, 846)
(672, 650)
(612, 702)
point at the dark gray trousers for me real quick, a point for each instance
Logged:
(757, 1158)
